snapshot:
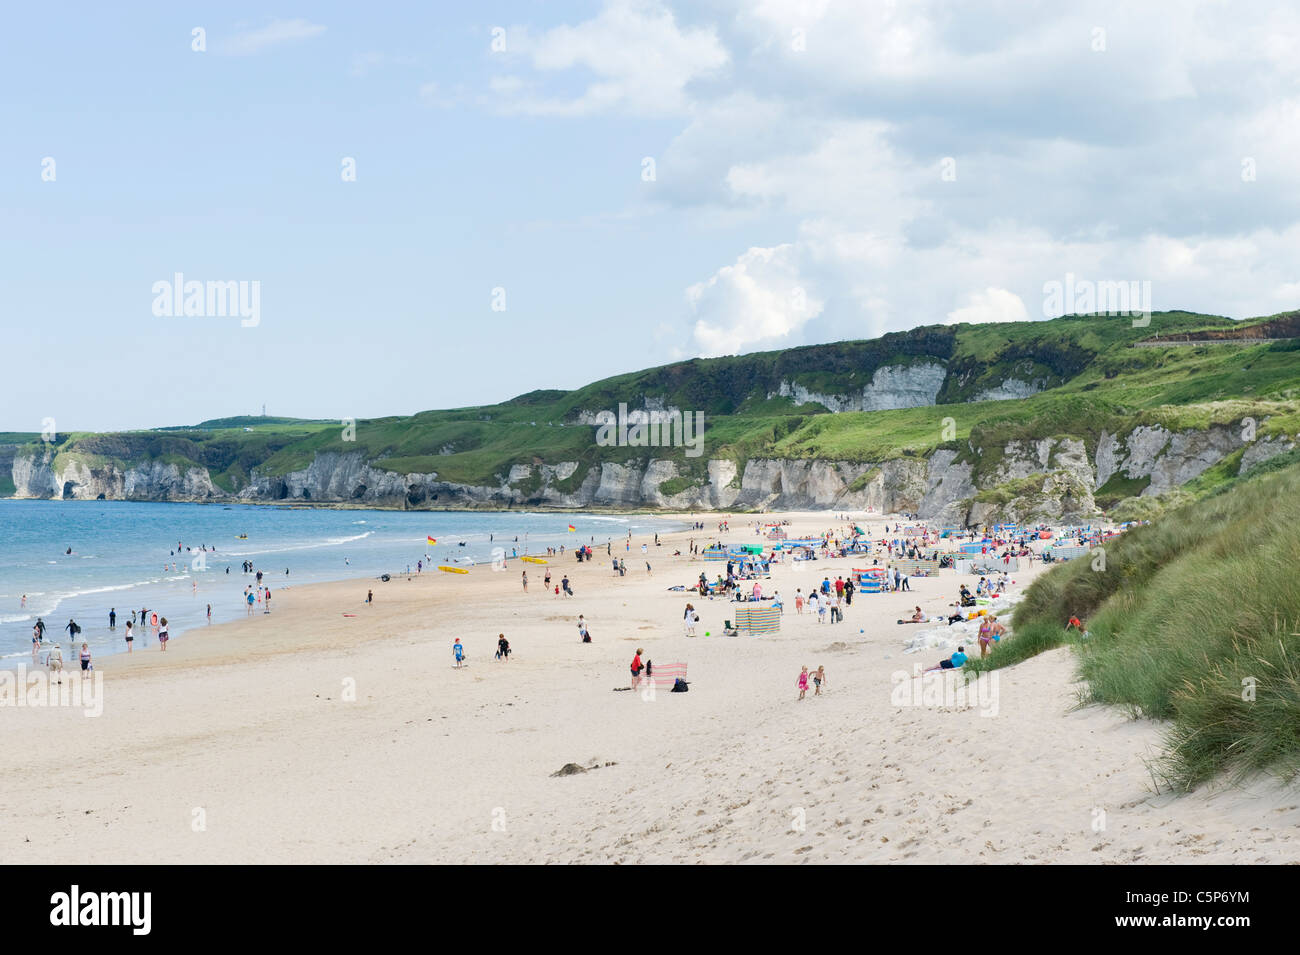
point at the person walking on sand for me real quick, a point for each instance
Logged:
(691, 619)
(583, 635)
(637, 666)
(818, 679)
(130, 634)
(163, 635)
(458, 651)
(54, 660)
(370, 597)
(503, 648)
(803, 682)
(85, 659)
(798, 601)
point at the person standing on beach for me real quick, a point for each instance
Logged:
(525, 578)
(209, 613)
(637, 666)
(583, 635)
(112, 618)
(458, 651)
(130, 635)
(163, 635)
(503, 648)
(266, 606)
(803, 682)
(85, 659)
(248, 597)
(370, 596)
(54, 660)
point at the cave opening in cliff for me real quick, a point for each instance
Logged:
(69, 490)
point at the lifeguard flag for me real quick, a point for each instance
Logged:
(572, 528)
(432, 541)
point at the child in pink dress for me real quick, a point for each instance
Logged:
(803, 682)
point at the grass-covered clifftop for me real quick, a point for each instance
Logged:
(1094, 380)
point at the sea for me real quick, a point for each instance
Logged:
(77, 560)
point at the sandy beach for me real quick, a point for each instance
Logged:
(330, 731)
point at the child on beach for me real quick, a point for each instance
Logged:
(803, 682)
(130, 635)
(818, 679)
(503, 648)
(163, 635)
(458, 652)
(637, 667)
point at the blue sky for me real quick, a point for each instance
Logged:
(799, 193)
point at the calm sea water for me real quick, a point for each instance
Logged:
(123, 556)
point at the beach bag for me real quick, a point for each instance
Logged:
(679, 686)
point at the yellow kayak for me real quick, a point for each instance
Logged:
(453, 570)
(533, 560)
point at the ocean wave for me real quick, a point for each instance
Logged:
(328, 542)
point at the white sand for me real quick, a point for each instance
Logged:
(244, 726)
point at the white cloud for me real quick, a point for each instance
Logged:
(990, 305)
(760, 301)
(639, 58)
(275, 33)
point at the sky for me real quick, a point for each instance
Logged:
(449, 204)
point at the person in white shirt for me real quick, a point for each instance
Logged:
(54, 660)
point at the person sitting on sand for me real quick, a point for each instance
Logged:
(966, 597)
(917, 617)
(954, 662)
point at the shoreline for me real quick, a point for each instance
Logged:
(309, 736)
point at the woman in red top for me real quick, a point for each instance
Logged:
(636, 666)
